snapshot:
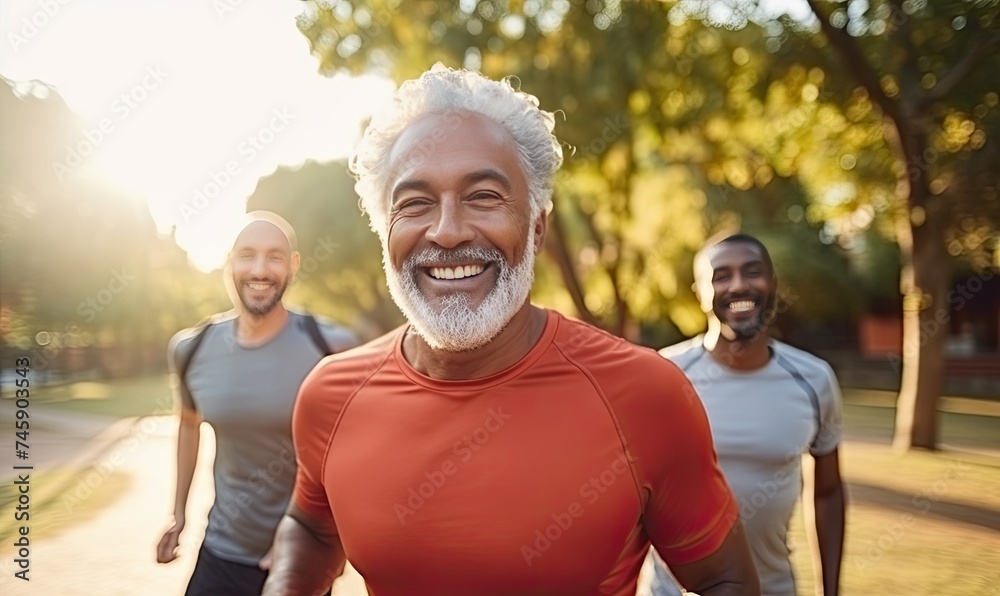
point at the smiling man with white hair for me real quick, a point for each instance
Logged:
(491, 446)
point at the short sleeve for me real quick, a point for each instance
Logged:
(830, 430)
(312, 425)
(691, 508)
(179, 350)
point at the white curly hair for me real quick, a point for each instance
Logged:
(443, 90)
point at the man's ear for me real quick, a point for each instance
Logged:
(295, 262)
(539, 229)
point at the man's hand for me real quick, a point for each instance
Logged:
(166, 550)
(265, 561)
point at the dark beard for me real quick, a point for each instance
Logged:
(261, 309)
(752, 328)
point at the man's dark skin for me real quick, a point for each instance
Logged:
(736, 271)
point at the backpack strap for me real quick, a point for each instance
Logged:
(312, 328)
(198, 335)
(308, 322)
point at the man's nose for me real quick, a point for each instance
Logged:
(259, 267)
(738, 283)
(452, 226)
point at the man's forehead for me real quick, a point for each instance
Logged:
(734, 254)
(448, 132)
(262, 233)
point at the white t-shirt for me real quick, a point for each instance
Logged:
(762, 422)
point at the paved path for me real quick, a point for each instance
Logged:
(114, 552)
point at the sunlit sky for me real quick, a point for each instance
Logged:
(187, 103)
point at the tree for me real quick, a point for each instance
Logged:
(905, 137)
(83, 267)
(930, 72)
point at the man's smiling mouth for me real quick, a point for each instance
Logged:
(742, 305)
(459, 272)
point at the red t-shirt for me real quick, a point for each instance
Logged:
(549, 477)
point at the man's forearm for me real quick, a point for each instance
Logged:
(302, 563)
(830, 515)
(188, 441)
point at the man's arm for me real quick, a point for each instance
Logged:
(728, 570)
(188, 440)
(829, 512)
(307, 555)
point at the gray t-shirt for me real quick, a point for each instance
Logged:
(762, 422)
(247, 395)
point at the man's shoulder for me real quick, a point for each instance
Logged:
(183, 339)
(685, 349)
(338, 337)
(600, 351)
(354, 366)
(803, 361)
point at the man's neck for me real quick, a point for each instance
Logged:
(513, 343)
(744, 353)
(253, 330)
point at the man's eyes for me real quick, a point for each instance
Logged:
(483, 195)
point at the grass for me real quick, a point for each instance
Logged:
(121, 398)
(918, 523)
(53, 510)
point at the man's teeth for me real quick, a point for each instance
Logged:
(258, 286)
(741, 305)
(456, 272)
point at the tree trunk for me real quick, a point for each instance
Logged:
(555, 242)
(925, 280)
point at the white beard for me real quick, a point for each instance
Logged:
(453, 325)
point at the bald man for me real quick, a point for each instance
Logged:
(240, 373)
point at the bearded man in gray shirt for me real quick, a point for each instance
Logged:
(768, 404)
(240, 372)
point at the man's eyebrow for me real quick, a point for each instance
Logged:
(489, 174)
(470, 178)
(416, 184)
(250, 249)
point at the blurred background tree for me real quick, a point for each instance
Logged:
(87, 281)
